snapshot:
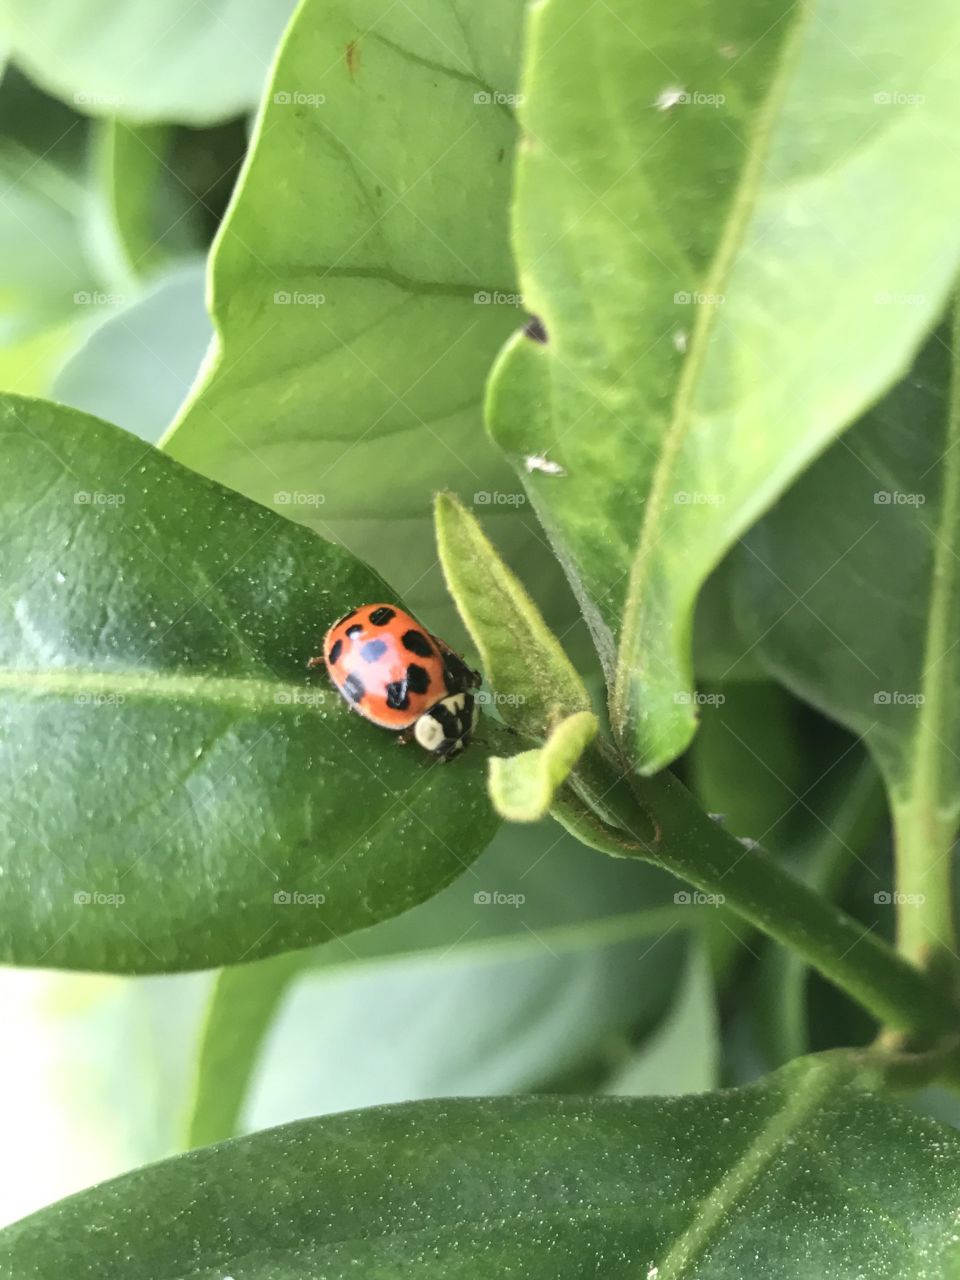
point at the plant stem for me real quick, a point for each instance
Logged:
(924, 817)
(693, 846)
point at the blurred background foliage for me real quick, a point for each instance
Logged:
(122, 134)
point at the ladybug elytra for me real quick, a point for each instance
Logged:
(397, 675)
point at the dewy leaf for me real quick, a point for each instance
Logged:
(522, 786)
(362, 283)
(718, 292)
(852, 588)
(535, 684)
(746, 1182)
(148, 62)
(178, 791)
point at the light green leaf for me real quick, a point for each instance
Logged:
(745, 1182)
(683, 1054)
(98, 1082)
(522, 786)
(147, 62)
(852, 589)
(179, 791)
(700, 349)
(362, 283)
(148, 212)
(513, 974)
(138, 365)
(535, 683)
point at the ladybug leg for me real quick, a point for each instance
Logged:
(404, 737)
(315, 662)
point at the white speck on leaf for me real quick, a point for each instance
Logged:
(537, 462)
(669, 97)
(680, 340)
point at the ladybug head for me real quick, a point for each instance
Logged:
(447, 727)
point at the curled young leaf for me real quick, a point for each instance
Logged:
(522, 787)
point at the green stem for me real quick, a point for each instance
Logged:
(924, 823)
(691, 845)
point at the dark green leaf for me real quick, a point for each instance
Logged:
(802, 1175)
(852, 589)
(163, 741)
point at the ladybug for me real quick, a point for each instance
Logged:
(402, 678)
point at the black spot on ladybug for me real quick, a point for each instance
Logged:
(372, 650)
(535, 329)
(418, 679)
(335, 650)
(354, 687)
(380, 617)
(397, 696)
(355, 629)
(417, 643)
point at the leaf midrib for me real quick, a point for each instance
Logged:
(243, 693)
(741, 211)
(730, 1191)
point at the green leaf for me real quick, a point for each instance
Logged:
(683, 1055)
(147, 62)
(569, 953)
(98, 1082)
(173, 776)
(148, 212)
(536, 683)
(852, 588)
(686, 272)
(362, 284)
(138, 365)
(522, 786)
(745, 1182)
